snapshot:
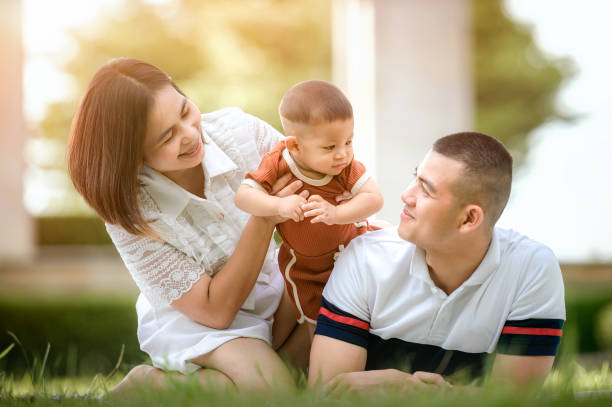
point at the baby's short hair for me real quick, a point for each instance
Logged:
(314, 102)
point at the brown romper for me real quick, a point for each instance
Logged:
(307, 254)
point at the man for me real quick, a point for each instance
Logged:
(436, 296)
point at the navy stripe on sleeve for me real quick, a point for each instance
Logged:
(531, 337)
(341, 325)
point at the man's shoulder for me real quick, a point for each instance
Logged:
(379, 245)
(531, 275)
(516, 246)
(527, 262)
(372, 261)
(387, 237)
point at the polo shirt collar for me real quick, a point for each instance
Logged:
(490, 263)
(418, 266)
(170, 198)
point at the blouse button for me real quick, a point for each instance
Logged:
(221, 216)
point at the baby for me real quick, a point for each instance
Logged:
(318, 121)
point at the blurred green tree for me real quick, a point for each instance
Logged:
(248, 52)
(244, 53)
(516, 83)
(241, 52)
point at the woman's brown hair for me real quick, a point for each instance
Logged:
(105, 147)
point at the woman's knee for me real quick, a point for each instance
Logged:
(144, 373)
(139, 376)
(250, 363)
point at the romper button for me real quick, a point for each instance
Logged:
(220, 216)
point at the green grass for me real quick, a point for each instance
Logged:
(563, 387)
(86, 356)
(86, 333)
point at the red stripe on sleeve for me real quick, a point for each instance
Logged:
(531, 331)
(345, 320)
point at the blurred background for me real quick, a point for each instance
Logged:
(533, 74)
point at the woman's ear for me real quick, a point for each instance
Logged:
(292, 144)
(473, 217)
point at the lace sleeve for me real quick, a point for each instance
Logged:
(161, 272)
(266, 136)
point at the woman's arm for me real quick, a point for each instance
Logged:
(215, 301)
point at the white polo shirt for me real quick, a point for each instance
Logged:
(380, 296)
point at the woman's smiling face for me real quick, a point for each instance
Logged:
(173, 141)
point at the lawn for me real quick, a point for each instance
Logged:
(63, 346)
(569, 385)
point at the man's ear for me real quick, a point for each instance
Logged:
(473, 217)
(292, 144)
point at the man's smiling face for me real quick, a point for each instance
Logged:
(431, 213)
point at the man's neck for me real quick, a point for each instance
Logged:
(449, 269)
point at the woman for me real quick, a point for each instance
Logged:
(163, 178)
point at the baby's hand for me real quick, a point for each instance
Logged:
(290, 207)
(322, 210)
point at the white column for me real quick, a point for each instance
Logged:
(16, 234)
(406, 67)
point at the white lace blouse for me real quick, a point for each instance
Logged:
(198, 236)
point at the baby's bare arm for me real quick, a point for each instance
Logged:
(366, 202)
(260, 203)
(256, 202)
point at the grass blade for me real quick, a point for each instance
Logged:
(7, 350)
(25, 355)
(44, 363)
(112, 372)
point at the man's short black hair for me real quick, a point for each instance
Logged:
(487, 175)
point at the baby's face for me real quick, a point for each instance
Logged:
(326, 148)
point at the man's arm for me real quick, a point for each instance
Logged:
(531, 335)
(330, 357)
(338, 366)
(521, 370)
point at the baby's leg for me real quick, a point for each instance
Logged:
(311, 329)
(284, 321)
(289, 338)
(250, 363)
(296, 348)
